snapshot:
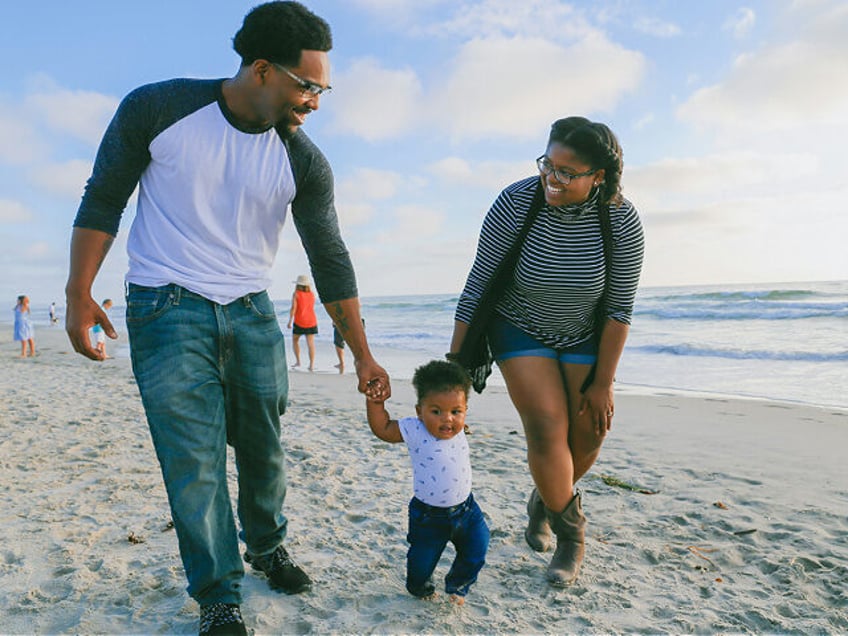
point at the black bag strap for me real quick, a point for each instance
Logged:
(497, 283)
(600, 309)
(606, 237)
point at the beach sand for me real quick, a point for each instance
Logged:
(747, 531)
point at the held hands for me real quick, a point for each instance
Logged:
(373, 380)
(598, 401)
(82, 314)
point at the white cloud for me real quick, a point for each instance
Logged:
(750, 240)
(14, 212)
(19, 140)
(378, 103)
(394, 9)
(451, 169)
(81, 114)
(490, 175)
(368, 184)
(514, 87)
(671, 184)
(357, 193)
(645, 121)
(353, 214)
(63, 179)
(740, 23)
(37, 251)
(801, 82)
(414, 222)
(559, 21)
(656, 27)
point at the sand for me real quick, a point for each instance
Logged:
(747, 531)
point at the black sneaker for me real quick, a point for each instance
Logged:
(283, 573)
(221, 619)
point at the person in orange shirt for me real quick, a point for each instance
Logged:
(302, 314)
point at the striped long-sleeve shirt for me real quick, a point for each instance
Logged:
(559, 278)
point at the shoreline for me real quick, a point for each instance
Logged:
(56, 340)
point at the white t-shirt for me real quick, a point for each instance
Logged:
(213, 231)
(441, 468)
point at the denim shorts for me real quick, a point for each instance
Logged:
(508, 341)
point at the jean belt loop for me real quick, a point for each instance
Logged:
(176, 292)
(246, 300)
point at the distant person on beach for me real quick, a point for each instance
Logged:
(53, 317)
(339, 345)
(302, 319)
(99, 334)
(218, 162)
(443, 508)
(24, 333)
(544, 329)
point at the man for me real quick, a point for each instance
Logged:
(218, 162)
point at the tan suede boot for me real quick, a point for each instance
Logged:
(569, 526)
(538, 533)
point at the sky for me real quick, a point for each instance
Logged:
(733, 117)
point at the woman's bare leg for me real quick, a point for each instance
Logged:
(296, 349)
(537, 390)
(583, 438)
(310, 344)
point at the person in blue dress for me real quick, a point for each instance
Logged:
(23, 327)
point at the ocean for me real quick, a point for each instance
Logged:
(786, 342)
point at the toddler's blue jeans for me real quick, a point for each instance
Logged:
(430, 529)
(212, 375)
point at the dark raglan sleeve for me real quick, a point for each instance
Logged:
(122, 157)
(315, 219)
(124, 152)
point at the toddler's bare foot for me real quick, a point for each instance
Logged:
(457, 600)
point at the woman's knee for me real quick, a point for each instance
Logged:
(545, 432)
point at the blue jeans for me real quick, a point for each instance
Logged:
(212, 375)
(430, 529)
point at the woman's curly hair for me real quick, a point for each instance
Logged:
(595, 144)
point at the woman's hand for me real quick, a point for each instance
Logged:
(599, 401)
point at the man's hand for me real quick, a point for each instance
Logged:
(88, 249)
(82, 314)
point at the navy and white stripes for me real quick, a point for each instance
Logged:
(559, 278)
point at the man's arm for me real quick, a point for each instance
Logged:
(88, 249)
(373, 379)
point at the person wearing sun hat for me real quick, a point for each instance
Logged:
(302, 319)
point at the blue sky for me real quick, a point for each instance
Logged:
(733, 117)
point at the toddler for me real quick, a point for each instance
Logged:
(443, 508)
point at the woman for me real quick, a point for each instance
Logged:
(545, 333)
(302, 313)
(23, 327)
